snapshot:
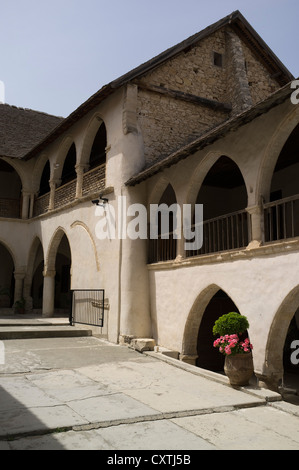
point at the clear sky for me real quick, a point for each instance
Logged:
(55, 54)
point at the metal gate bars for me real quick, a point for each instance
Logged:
(87, 307)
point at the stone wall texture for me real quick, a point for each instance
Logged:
(168, 122)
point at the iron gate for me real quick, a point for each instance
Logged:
(87, 307)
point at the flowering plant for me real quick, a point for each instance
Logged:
(231, 345)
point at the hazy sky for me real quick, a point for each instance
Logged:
(55, 54)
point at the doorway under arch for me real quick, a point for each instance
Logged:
(7, 281)
(63, 276)
(208, 356)
(282, 366)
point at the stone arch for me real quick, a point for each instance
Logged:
(87, 230)
(57, 283)
(162, 241)
(194, 319)
(273, 368)
(39, 170)
(10, 250)
(158, 190)
(92, 130)
(7, 269)
(11, 187)
(202, 170)
(29, 295)
(62, 155)
(53, 246)
(18, 168)
(272, 152)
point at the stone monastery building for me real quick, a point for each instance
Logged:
(209, 121)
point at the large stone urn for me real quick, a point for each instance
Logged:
(239, 368)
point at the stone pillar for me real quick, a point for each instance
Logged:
(80, 170)
(52, 184)
(256, 213)
(48, 293)
(31, 206)
(19, 276)
(25, 204)
(134, 318)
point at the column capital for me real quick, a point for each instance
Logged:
(49, 273)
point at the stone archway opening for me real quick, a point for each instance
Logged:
(10, 191)
(7, 281)
(37, 279)
(209, 357)
(62, 299)
(223, 194)
(164, 248)
(291, 356)
(279, 369)
(282, 210)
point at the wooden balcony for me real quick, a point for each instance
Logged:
(227, 232)
(10, 208)
(224, 233)
(93, 181)
(281, 219)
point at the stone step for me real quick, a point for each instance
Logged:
(41, 331)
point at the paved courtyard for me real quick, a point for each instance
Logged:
(86, 394)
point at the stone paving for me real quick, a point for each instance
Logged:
(84, 393)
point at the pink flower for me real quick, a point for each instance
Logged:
(227, 350)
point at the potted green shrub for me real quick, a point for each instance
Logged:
(19, 306)
(235, 345)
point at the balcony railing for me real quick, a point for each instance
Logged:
(94, 180)
(281, 219)
(162, 249)
(224, 233)
(65, 194)
(41, 204)
(10, 208)
(227, 232)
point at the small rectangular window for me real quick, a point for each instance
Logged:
(218, 59)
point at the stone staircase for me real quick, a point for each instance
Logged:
(24, 327)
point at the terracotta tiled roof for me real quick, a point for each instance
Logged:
(22, 129)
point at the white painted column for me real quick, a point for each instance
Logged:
(80, 170)
(48, 293)
(19, 276)
(25, 204)
(256, 213)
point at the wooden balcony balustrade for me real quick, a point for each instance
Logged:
(10, 208)
(281, 219)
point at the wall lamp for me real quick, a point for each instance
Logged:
(97, 201)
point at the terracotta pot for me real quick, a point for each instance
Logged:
(239, 368)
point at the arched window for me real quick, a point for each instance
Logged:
(224, 198)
